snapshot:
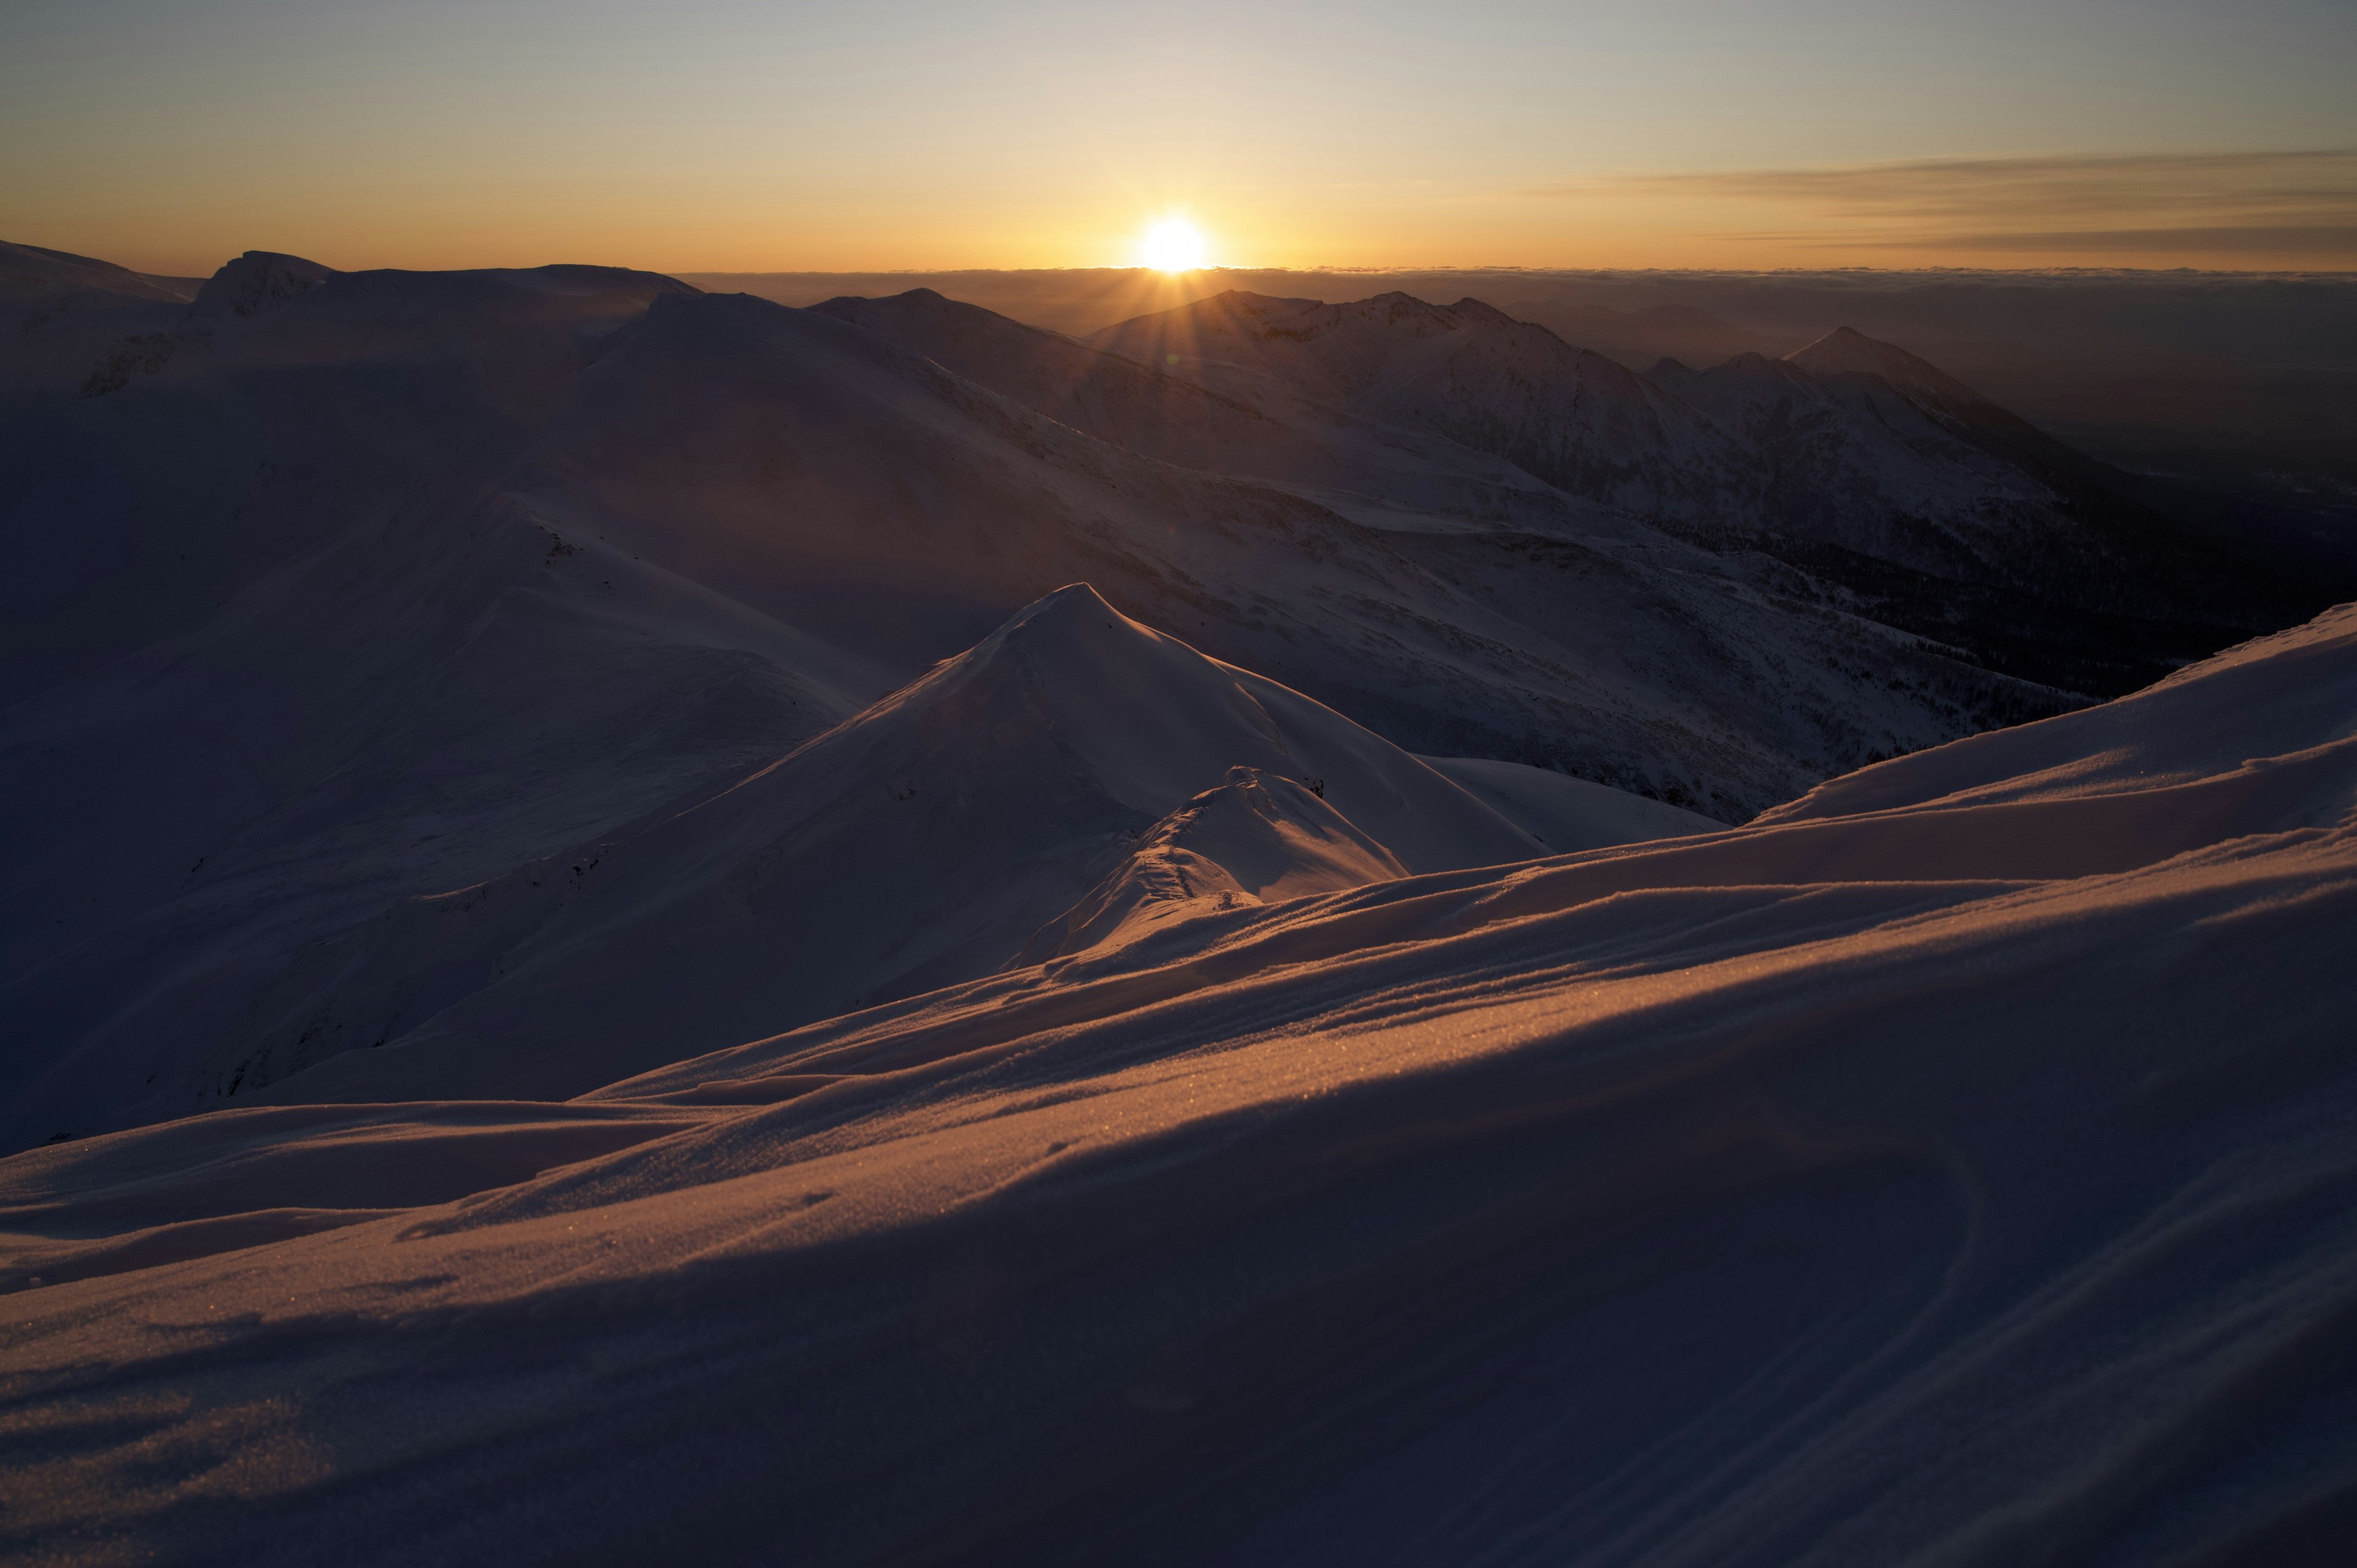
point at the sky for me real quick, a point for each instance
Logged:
(725, 135)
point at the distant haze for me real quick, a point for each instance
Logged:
(2247, 380)
(709, 135)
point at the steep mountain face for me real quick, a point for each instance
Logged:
(1954, 1169)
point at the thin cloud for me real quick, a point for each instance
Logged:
(2297, 202)
(2255, 238)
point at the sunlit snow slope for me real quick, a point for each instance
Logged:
(1955, 1168)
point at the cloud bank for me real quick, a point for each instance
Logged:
(2286, 203)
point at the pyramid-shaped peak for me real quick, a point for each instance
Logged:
(1400, 302)
(1844, 350)
(1073, 607)
(1481, 313)
(1072, 640)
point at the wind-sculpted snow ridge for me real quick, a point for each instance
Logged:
(1959, 1169)
(2258, 717)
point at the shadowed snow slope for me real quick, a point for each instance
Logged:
(1851, 460)
(920, 844)
(1348, 460)
(2273, 705)
(1574, 419)
(1566, 813)
(1961, 1171)
(396, 582)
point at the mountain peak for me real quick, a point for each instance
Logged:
(1076, 608)
(1481, 313)
(256, 282)
(1846, 351)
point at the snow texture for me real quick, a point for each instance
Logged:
(641, 926)
(1955, 1168)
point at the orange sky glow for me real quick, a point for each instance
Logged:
(908, 134)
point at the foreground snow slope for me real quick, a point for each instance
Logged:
(1965, 1178)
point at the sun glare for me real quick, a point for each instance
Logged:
(1174, 246)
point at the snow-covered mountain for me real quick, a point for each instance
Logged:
(72, 320)
(1574, 419)
(349, 590)
(1358, 466)
(923, 842)
(1851, 460)
(639, 926)
(395, 583)
(1951, 1168)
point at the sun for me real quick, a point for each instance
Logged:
(1174, 245)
